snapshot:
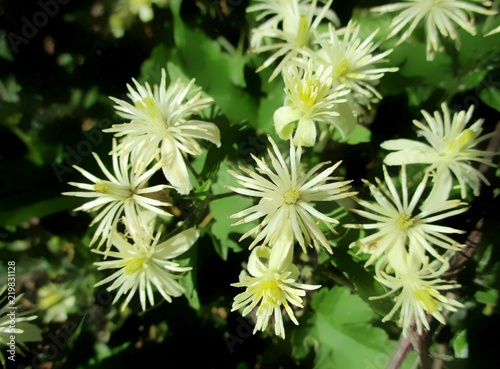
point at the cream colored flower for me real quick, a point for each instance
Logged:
(439, 16)
(274, 14)
(294, 39)
(124, 193)
(286, 194)
(405, 225)
(311, 97)
(125, 10)
(56, 301)
(353, 61)
(271, 285)
(162, 119)
(451, 148)
(420, 292)
(145, 265)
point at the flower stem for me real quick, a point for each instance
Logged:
(221, 196)
(418, 342)
(399, 356)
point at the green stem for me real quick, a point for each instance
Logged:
(196, 175)
(400, 353)
(221, 196)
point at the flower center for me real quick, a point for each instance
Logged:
(134, 264)
(303, 32)
(114, 190)
(271, 293)
(149, 106)
(101, 187)
(426, 298)
(309, 89)
(291, 196)
(341, 69)
(405, 221)
(463, 141)
(433, 4)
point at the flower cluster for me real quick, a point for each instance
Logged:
(330, 75)
(159, 133)
(411, 249)
(287, 195)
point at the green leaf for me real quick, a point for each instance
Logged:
(160, 57)
(460, 345)
(5, 51)
(212, 68)
(273, 98)
(412, 63)
(491, 97)
(189, 284)
(39, 209)
(340, 326)
(225, 236)
(230, 135)
(364, 283)
(489, 297)
(360, 134)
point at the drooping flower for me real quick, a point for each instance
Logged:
(162, 119)
(420, 292)
(274, 13)
(354, 61)
(123, 193)
(125, 11)
(450, 148)
(299, 20)
(439, 16)
(312, 97)
(145, 265)
(405, 225)
(271, 285)
(286, 194)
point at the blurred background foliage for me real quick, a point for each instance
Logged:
(55, 83)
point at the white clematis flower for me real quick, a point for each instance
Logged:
(299, 20)
(439, 16)
(420, 293)
(124, 193)
(354, 62)
(312, 97)
(405, 224)
(162, 119)
(145, 264)
(286, 194)
(450, 149)
(271, 284)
